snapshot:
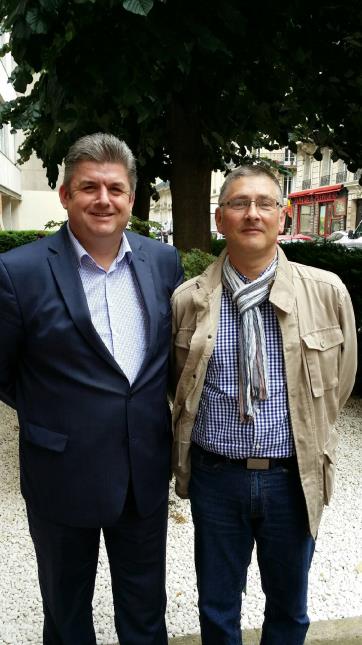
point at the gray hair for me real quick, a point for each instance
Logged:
(249, 171)
(101, 148)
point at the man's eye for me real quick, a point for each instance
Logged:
(239, 203)
(266, 203)
(89, 188)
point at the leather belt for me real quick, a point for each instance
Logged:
(250, 463)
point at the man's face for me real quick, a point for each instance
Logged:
(98, 202)
(251, 233)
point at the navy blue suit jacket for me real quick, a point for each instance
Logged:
(84, 432)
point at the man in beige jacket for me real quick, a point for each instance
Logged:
(264, 359)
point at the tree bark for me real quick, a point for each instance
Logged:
(141, 206)
(190, 181)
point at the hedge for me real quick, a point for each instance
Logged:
(346, 263)
(11, 239)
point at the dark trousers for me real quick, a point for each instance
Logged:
(232, 509)
(67, 563)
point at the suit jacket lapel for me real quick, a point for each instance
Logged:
(63, 264)
(143, 273)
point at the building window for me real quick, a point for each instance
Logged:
(341, 174)
(306, 219)
(4, 140)
(289, 157)
(306, 172)
(325, 177)
(287, 185)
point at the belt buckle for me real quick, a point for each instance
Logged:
(257, 464)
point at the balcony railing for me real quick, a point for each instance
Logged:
(325, 180)
(341, 177)
(305, 184)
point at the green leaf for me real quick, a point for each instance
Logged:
(21, 78)
(140, 7)
(5, 49)
(50, 5)
(35, 22)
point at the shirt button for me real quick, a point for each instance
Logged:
(258, 446)
(323, 343)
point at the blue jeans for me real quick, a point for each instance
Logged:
(232, 508)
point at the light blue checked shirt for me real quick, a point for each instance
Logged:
(116, 306)
(218, 427)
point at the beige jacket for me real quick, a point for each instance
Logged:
(317, 324)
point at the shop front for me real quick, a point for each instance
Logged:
(319, 211)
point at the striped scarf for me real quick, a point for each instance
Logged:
(253, 362)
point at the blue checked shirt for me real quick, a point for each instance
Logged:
(218, 427)
(116, 306)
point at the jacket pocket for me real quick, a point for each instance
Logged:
(43, 438)
(329, 466)
(322, 351)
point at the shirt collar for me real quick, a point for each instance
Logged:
(80, 252)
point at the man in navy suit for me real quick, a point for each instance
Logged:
(85, 331)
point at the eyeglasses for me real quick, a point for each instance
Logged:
(263, 205)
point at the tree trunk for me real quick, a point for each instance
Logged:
(141, 206)
(190, 181)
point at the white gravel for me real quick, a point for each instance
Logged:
(335, 579)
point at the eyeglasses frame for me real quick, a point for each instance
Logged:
(251, 201)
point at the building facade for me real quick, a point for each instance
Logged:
(327, 197)
(10, 176)
(26, 201)
(40, 204)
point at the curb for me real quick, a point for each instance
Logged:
(345, 631)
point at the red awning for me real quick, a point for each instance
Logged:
(312, 191)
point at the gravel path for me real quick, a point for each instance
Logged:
(335, 580)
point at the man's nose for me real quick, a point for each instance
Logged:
(102, 195)
(252, 211)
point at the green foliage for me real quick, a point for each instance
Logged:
(141, 7)
(10, 239)
(189, 85)
(52, 224)
(217, 246)
(195, 262)
(144, 227)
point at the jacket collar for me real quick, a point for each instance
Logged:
(282, 293)
(210, 279)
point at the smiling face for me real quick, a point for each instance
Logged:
(99, 202)
(251, 236)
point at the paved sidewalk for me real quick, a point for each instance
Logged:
(347, 631)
